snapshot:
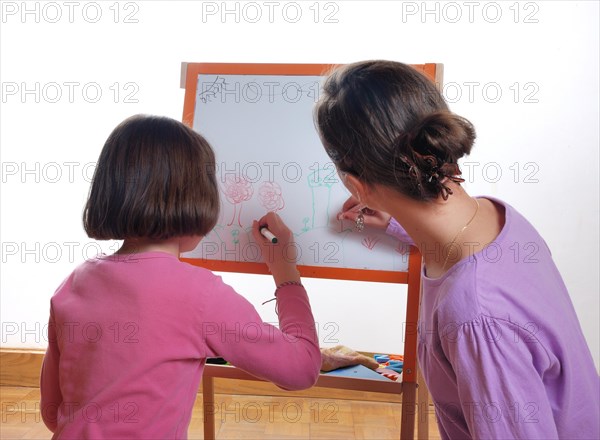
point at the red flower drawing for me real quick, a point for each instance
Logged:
(270, 196)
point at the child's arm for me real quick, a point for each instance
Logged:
(281, 257)
(51, 397)
(289, 356)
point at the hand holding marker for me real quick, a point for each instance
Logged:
(277, 247)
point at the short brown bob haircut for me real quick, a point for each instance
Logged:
(155, 179)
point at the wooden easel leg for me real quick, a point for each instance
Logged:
(407, 425)
(208, 407)
(423, 411)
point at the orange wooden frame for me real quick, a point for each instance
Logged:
(412, 277)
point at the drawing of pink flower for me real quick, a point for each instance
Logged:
(237, 189)
(270, 196)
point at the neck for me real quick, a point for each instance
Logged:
(433, 225)
(139, 245)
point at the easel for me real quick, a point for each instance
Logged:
(412, 277)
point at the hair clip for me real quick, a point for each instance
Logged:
(433, 175)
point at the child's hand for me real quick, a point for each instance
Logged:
(280, 257)
(375, 219)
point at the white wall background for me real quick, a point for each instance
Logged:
(525, 73)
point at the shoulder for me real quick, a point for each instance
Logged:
(146, 272)
(453, 299)
(515, 225)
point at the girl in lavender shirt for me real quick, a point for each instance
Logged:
(500, 345)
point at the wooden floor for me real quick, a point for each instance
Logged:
(243, 417)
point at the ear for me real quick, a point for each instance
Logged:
(359, 189)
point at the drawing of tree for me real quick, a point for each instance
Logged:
(320, 182)
(237, 191)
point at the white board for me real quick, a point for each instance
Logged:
(269, 158)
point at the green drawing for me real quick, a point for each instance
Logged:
(305, 220)
(321, 178)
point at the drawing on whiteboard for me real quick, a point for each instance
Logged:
(237, 191)
(320, 183)
(248, 118)
(271, 197)
(369, 242)
(402, 248)
(210, 90)
(305, 221)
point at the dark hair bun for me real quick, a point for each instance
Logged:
(431, 149)
(444, 135)
(387, 123)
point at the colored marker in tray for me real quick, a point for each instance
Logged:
(390, 365)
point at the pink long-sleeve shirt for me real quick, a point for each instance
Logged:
(500, 346)
(128, 338)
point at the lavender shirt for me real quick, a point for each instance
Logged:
(500, 346)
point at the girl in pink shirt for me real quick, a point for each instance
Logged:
(129, 333)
